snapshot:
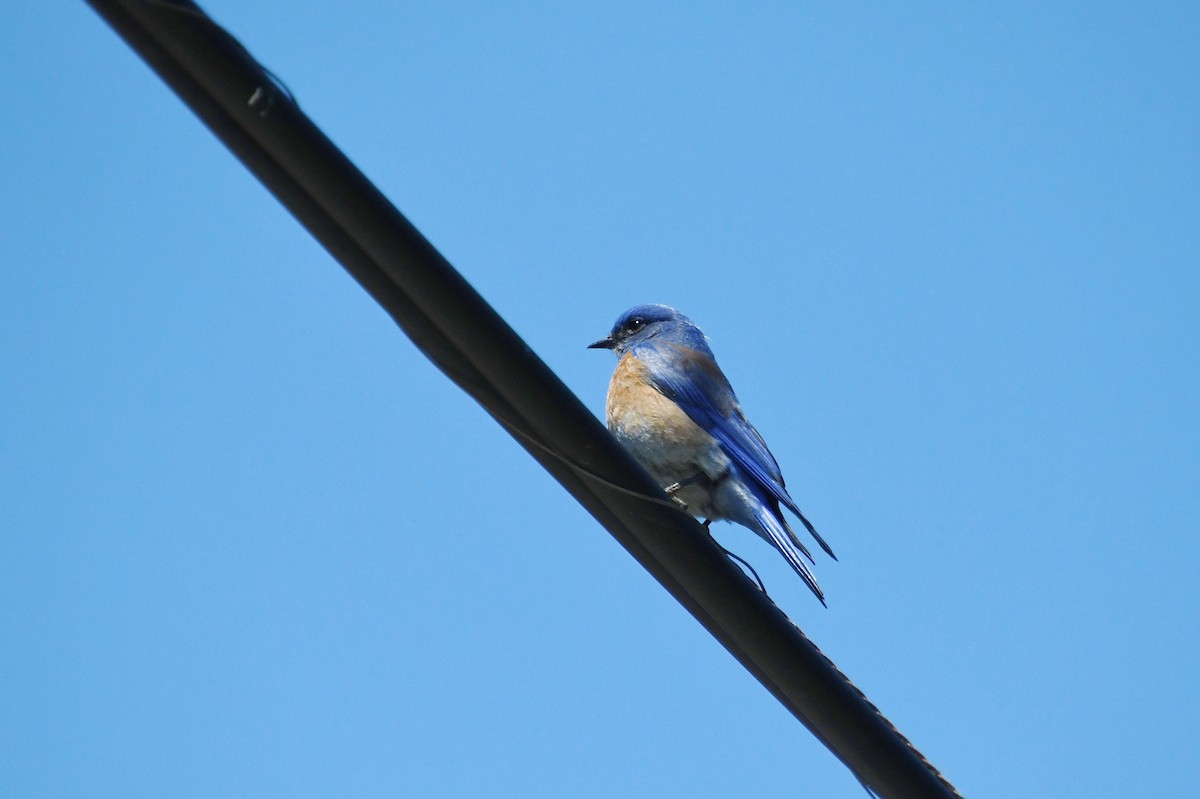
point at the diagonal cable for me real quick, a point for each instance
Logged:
(258, 120)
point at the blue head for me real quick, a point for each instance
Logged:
(649, 324)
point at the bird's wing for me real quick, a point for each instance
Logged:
(692, 379)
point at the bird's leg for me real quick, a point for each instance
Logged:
(674, 487)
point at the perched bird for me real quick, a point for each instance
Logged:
(673, 408)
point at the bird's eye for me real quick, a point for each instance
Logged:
(637, 324)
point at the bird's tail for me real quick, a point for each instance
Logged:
(769, 524)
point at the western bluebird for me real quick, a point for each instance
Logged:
(673, 408)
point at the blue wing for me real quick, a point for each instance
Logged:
(690, 376)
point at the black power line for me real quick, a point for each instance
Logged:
(257, 119)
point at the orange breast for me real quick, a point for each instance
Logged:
(643, 418)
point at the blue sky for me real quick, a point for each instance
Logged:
(254, 544)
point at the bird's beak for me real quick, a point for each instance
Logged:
(602, 344)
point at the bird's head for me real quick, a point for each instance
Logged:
(645, 322)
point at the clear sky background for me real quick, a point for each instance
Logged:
(254, 544)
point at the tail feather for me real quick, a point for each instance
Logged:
(771, 527)
(813, 531)
(795, 539)
(809, 526)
